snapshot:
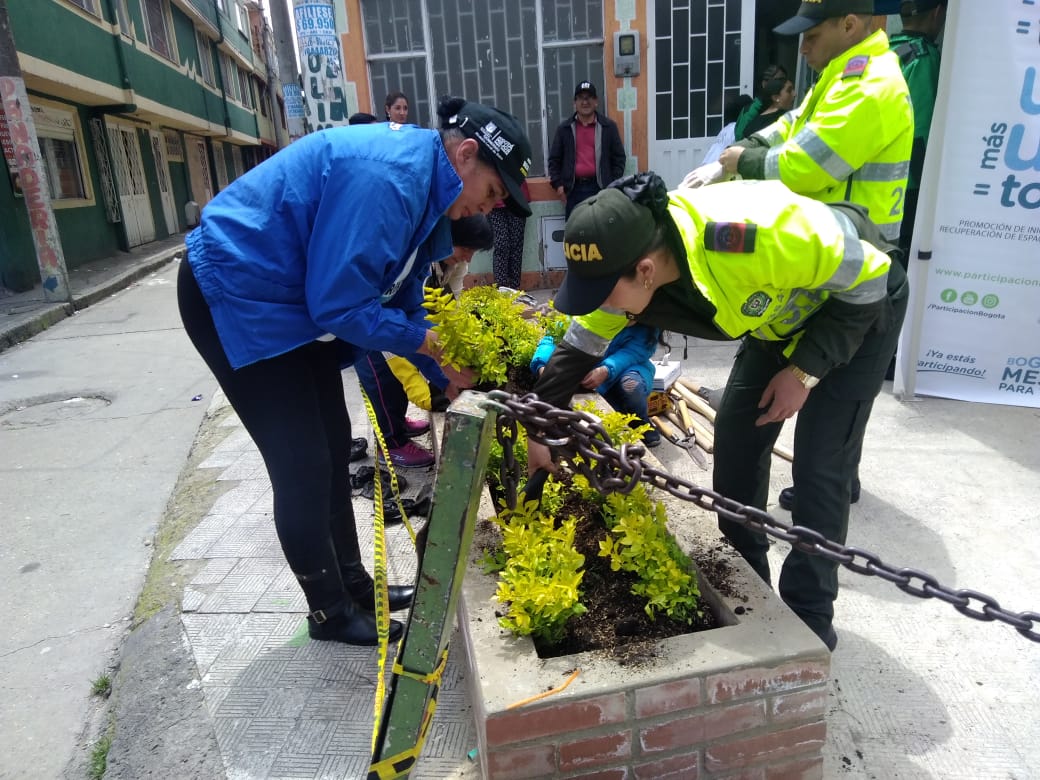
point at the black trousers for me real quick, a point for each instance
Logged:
(828, 440)
(582, 189)
(293, 407)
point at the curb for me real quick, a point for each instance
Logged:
(56, 312)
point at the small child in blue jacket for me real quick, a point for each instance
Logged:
(625, 376)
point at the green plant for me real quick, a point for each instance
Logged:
(539, 571)
(487, 330)
(99, 757)
(542, 574)
(639, 542)
(101, 686)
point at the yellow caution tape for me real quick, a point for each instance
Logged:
(401, 764)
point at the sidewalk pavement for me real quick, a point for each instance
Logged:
(23, 315)
(226, 683)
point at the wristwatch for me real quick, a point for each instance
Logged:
(808, 380)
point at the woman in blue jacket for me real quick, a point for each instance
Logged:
(315, 255)
(625, 375)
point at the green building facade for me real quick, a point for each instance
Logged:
(144, 110)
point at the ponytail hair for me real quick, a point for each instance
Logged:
(447, 107)
(649, 190)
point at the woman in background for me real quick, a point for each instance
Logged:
(396, 107)
(777, 98)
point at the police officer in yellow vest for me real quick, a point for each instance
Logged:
(812, 293)
(851, 137)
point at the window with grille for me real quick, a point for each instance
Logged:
(230, 76)
(174, 146)
(157, 18)
(698, 66)
(220, 164)
(518, 55)
(205, 57)
(244, 89)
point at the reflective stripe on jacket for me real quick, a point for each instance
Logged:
(850, 139)
(770, 262)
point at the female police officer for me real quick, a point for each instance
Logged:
(317, 254)
(809, 289)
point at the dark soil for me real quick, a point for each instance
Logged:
(616, 623)
(519, 381)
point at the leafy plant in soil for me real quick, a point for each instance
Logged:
(489, 331)
(636, 584)
(608, 577)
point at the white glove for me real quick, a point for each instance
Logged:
(704, 174)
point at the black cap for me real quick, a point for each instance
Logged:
(502, 138)
(585, 86)
(813, 12)
(472, 232)
(602, 239)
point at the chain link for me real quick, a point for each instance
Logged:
(581, 441)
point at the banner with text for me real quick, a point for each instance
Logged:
(980, 327)
(325, 104)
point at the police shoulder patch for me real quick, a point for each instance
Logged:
(856, 66)
(756, 304)
(730, 237)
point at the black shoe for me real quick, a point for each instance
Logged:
(364, 480)
(786, 498)
(350, 624)
(399, 596)
(358, 449)
(361, 588)
(368, 483)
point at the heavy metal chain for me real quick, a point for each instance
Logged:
(583, 443)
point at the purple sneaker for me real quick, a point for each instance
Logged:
(410, 456)
(413, 427)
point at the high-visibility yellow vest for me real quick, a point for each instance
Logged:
(851, 137)
(765, 258)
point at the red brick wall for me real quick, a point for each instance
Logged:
(755, 723)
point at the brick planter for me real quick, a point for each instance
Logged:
(746, 700)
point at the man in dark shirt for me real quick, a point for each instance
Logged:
(587, 153)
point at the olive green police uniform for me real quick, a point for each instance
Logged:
(804, 284)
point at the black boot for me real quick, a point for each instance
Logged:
(335, 616)
(356, 581)
(362, 589)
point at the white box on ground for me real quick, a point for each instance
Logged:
(665, 374)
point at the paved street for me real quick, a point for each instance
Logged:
(97, 421)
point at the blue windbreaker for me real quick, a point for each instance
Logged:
(316, 240)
